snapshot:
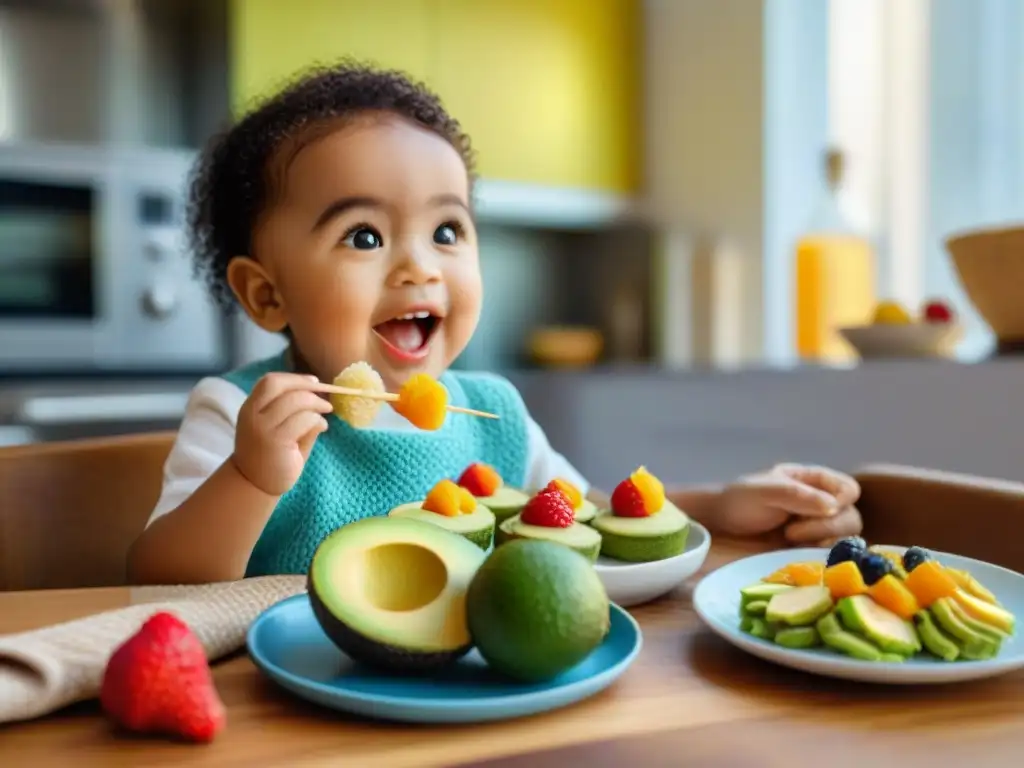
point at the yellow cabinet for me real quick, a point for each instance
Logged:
(548, 90)
(271, 40)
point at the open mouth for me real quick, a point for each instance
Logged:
(409, 335)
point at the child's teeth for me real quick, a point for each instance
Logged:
(415, 316)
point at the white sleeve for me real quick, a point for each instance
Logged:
(544, 463)
(206, 438)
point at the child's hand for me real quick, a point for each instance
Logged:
(814, 504)
(277, 426)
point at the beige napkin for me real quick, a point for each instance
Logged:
(45, 669)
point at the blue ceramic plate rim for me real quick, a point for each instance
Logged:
(486, 704)
(823, 662)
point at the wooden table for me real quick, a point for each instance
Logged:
(690, 699)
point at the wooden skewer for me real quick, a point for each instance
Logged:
(391, 397)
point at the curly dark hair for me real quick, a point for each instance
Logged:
(233, 181)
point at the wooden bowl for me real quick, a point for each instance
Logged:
(916, 340)
(565, 346)
(990, 264)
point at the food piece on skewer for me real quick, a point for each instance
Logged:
(359, 412)
(423, 400)
(358, 390)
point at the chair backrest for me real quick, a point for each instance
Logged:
(966, 515)
(70, 510)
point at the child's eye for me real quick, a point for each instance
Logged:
(362, 238)
(447, 234)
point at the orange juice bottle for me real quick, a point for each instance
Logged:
(835, 277)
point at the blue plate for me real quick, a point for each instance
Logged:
(287, 644)
(717, 601)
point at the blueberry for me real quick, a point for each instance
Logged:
(913, 557)
(846, 549)
(874, 566)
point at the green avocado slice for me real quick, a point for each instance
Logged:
(390, 592)
(477, 526)
(881, 626)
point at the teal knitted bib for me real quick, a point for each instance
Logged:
(356, 473)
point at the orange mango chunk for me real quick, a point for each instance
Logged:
(570, 491)
(423, 400)
(798, 575)
(444, 499)
(650, 488)
(480, 479)
(467, 501)
(930, 582)
(890, 592)
(844, 580)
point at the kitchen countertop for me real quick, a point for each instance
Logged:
(687, 426)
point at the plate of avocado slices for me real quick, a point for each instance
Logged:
(878, 614)
(405, 620)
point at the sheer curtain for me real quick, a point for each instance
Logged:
(976, 147)
(926, 97)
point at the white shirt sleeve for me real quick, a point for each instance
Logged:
(206, 438)
(544, 463)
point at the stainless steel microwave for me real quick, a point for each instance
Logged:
(94, 268)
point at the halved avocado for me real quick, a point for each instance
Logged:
(477, 526)
(643, 539)
(390, 592)
(578, 536)
(505, 502)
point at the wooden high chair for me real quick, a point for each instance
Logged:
(968, 515)
(70, 510)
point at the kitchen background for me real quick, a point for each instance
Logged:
(651, 169)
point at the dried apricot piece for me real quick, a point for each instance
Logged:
(444, 498)
(423, 400)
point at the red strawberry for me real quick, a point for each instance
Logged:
(549, 508)
(480, 479)
(938, 312)
(627, 501)
(158, 681)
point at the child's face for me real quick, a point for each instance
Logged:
(368, 252)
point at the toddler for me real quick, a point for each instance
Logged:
(339, 213)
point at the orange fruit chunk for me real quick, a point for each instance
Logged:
(570, 491)
(798, 575)
(650, 488)
(844, 580)
(930, 582)
(423, 401)
(480, 479)
(467, 502)
(890, 592)
(445, 499)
